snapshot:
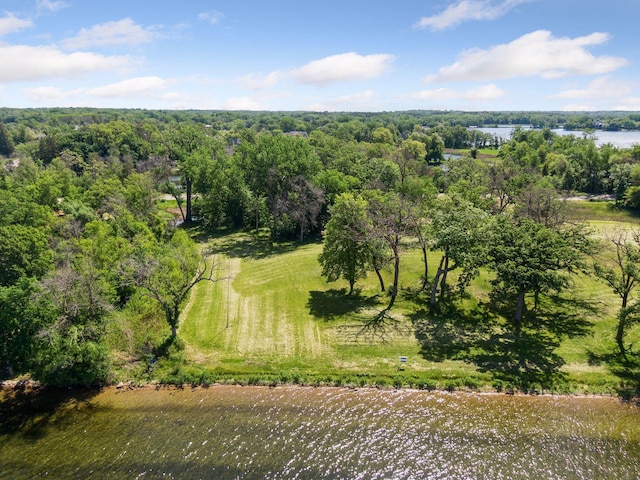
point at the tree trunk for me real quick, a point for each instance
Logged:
(445, 272)
(436, 281)
(380, 279)
(519, 308)
(189, 182)
(425, 261)
(396, 276)
(173, 316)
(257, 215)
(620, 334)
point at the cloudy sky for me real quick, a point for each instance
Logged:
(346, 55)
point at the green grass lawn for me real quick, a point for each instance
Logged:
(270, 315)
(606, 211)
(271, 310)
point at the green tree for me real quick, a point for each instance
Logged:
(6, 142)
(47, 149)
(528, 257)
(189, 146)
(389, 214)
(272, 165)
(622, 274)
(167, 274)
(71, 349)
(345, 251)
(24, 252)
(458, 229)
(20, 320)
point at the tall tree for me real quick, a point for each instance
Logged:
(168, 273)
(304, 203)
(622, 274)
(345, 252)
(71, 349)
(528, 257)
(24, 251)
(272, 165)
(6, 142)
(389, 222)
(189, 146)
(458, 229)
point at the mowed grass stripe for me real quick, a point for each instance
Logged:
(261, 311)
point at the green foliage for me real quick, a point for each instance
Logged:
(24, 252)
(111, 249)
(21, 318)
(6, 142)
(460, 231)
(528, 257)
(167, 273)
(71, 358)
(346, 248)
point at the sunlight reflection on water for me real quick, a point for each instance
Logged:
(295, 432)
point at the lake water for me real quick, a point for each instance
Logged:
(618, 139)
(300, 432)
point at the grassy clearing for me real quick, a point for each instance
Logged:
(271, 318)
(606, 211)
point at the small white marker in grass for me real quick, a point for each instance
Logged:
(402, 361)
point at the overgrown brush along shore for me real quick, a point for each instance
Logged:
(271, 319)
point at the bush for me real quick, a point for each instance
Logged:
(65, 363)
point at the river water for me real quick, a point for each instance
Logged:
(302, 432)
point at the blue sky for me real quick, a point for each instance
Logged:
(347, 55)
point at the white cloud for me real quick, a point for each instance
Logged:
(361, 102)
(121, 32)
(242, 103)
(464, 10)
(50, 6)
(11, 23)
(631, 104)
(579, 107)
(343, 67)
(49, 95)
(437, 94)
(333, 69)
(486, 92)
(131, 87)
(213, 17)
(33, 63)
(483, 93)
(258, 81)
(534, 54)
(601, 87)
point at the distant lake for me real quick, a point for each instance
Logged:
(618, 139)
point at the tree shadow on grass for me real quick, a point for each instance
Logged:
(334, 303)
(383, 326)
(30, 412)
(253, 246)
(626, 369)
(526, 361)
(447, 331)
(485, 336)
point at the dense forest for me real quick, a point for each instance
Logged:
(94, 271)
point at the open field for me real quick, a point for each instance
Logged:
(272, 318)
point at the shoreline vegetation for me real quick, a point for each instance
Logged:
(29, 386)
